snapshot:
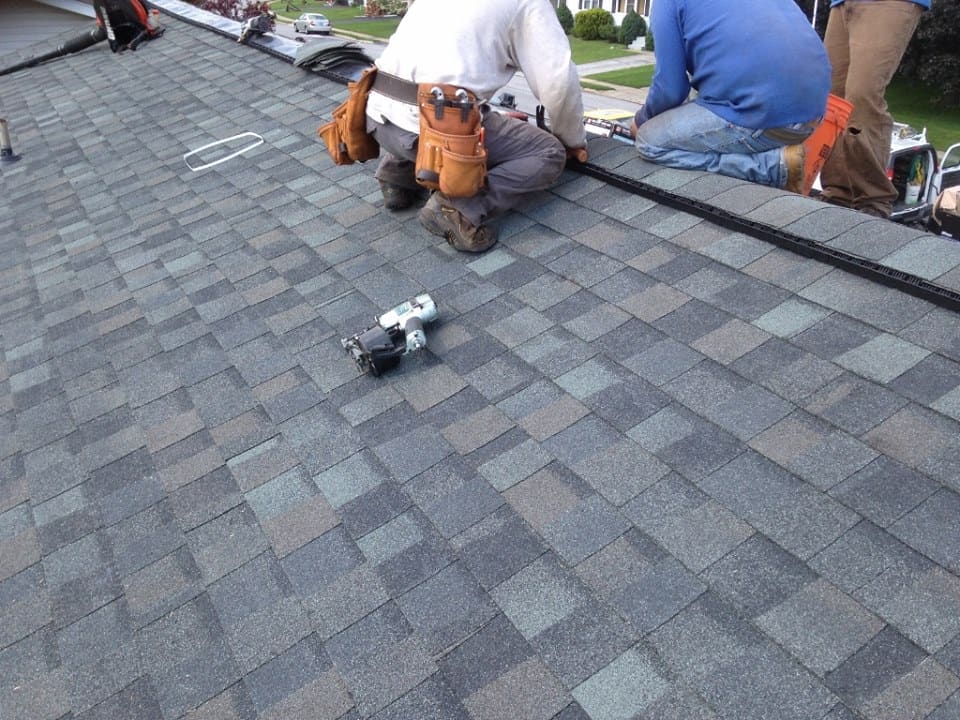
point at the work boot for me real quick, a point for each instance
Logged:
(874, 211)
(396, 197)
(831, 199)
(447, 222)
(795, 158)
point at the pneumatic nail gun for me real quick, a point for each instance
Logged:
(397, 332)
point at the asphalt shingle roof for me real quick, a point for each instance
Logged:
(646, 467)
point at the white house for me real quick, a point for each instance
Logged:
(617, 8)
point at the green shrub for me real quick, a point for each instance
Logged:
(375, 8)
(565, 17)
(649, 39)
(632, 27)
(235, 9)
(593, 24)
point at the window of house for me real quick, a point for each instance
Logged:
(587, 4)
(624, 6)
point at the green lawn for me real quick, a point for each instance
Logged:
(587, 51)
(636, 77)
(587, 85)
(348, 19)
(909, 103)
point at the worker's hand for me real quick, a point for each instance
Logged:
(577, 153)
(633, 123)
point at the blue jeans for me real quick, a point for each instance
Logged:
(691, 137)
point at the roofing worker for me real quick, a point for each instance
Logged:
(475, 47)
(761, 78)
(866, 40)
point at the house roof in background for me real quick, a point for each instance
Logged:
(646, 466)
(27, 24)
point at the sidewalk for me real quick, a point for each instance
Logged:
(620, 92)
(637, 96)
(635, 59)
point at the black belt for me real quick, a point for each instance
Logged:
(792, 135)
(396, 88)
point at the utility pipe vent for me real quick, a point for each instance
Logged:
(6, 149)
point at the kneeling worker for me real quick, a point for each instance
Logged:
(459, 53)
(761, 78)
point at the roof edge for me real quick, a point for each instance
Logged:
(72, 6)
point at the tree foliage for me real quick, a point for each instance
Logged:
(236, 9)
(386, 7)
(823, 12)
(594, 24)
(933, 56)
(565, 17)
(631, 27)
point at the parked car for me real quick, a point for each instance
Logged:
(312, 23)
(918, 174)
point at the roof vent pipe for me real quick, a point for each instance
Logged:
(6, 150)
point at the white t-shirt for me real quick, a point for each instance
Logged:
(479, 45)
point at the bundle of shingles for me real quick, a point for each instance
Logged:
(341, 58)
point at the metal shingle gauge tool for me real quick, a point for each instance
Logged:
(254, 141)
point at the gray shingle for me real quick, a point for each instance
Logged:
(186, 641)
(889, 655)
(787, 510)
(447, 608)
(724, 660)
(884, 491)
(922, 439)
(929, 527)
(820, 625)
(624, 688)
(552, 512)
(644, 584)
(687, 523)
(367, 656)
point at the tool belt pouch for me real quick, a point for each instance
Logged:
(450, 153)
(346, 134)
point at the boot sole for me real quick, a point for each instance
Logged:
(435, 224)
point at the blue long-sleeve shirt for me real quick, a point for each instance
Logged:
(755, 63)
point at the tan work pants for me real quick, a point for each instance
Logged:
(865, 40)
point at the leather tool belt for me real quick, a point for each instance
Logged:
(451, 157)
(397, 88)
(346, 134)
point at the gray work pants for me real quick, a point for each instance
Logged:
(521, 159)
